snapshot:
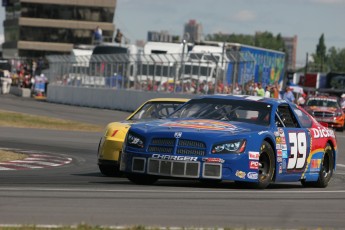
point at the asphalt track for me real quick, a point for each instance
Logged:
(77, 193)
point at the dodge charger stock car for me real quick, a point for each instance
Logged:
(253, 141)
(110, 144)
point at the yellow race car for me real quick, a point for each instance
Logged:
(110, 145)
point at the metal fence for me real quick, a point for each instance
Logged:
(186, 73)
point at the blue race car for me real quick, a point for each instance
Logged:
(250, 140)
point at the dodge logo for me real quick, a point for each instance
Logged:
(178, 134)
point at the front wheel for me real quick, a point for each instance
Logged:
(266, 165)
(266, 168)
(326, 170)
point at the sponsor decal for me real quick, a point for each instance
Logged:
(315, 163)
(213, 160)
(253, 175)
(284, 163)
(278, 140)
(321, 132)
(263, 132)
(279, 152)
(279, 159)
(253, 164)
(240, 174)
(281, 131)
(276, 134)
(203, 124)
(284, 147)
(178, 135)
(174, 158)
(280, 168)
(278, 146)
(283, 140)
(285, 154)
(254, 155)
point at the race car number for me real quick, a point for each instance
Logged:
(298, 150)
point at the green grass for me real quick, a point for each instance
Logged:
(22, 120)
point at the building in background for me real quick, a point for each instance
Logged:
(35, 28)
(193, 31)
(291, 51)
(163, 36)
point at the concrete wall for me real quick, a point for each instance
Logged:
(21, 92)
(117, 99)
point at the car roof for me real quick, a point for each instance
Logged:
(168, 99)
(244, 98)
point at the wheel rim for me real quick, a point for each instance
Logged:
(264, 166)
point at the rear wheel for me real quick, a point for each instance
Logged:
(326, 170)
(142, 179)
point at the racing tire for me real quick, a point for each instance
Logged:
(142, 179)
(326, 170)
(109, 171)
(266, 168)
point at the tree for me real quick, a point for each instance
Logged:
(336, 59)
(320, 57)
(263, 40)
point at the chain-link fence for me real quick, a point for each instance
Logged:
(206, 73)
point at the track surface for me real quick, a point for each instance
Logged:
(77, 193)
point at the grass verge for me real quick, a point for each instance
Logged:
(22, 120)
(11, 156)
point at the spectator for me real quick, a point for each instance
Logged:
(301, 99)
(288, 95)
(275, 92)
(98, 37)
(237, 90)
(268, 91)
(260, 91)
(255, 89)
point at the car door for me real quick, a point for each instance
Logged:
(292, 144)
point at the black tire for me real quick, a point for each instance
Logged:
(142, 179)
(266, 168)
(326, 170)
(110, 171)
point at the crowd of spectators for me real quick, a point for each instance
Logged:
(204, 87)
(28, 74)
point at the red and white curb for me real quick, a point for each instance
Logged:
(35, 161)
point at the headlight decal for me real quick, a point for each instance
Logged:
(134, 140)
(235, 146)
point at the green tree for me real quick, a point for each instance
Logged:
(320, 57)
(263, 40)
(336, 59)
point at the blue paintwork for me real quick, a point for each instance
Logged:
(232, 164)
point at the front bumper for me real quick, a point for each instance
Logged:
(235, 167)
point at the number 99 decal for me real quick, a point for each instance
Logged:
(298, 150)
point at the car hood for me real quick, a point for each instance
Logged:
(191, 128)
(321, 109)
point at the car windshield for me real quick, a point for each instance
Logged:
(225, 110)
(155, 110)
(322, 103)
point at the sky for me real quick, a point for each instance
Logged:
(308, 19)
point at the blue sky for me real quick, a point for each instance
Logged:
(307, 19)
